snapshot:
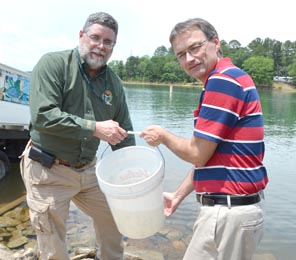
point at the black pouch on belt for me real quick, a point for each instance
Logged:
(46, 159)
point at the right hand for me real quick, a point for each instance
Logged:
(110, 131)
(153, 135)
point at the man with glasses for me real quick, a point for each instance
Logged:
(226, 149)
(76, 101)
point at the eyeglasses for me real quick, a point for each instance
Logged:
(193, 51)
(108, 44)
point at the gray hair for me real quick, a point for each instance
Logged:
(102, 19)
(191, 24)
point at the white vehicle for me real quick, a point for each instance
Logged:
(14, 115)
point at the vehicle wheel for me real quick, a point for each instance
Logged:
(4, 165)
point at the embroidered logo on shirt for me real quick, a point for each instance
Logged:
(107, 97)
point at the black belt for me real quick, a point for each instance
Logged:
(47, 159)
(221, 199)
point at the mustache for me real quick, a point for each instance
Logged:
(99, 52)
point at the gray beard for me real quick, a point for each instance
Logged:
(93, 63)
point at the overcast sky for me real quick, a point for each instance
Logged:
(30, 28)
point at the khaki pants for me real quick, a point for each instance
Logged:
(49, 192)
(222, 233)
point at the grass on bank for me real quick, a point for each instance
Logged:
(280, 86)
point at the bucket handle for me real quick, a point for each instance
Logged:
(156, 147)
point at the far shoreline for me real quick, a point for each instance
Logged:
(277, 86)
(284, 87)
(187, 85)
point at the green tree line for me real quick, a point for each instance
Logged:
(262, 59)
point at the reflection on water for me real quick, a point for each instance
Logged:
(280, 129)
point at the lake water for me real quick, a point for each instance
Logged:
(173, 110)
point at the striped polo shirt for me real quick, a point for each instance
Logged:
(230, 114)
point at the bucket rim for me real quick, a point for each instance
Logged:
(160, 166)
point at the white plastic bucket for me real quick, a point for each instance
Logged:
(131, 179)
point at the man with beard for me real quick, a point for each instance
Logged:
(76, 101)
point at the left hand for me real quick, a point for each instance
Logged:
(171, 203)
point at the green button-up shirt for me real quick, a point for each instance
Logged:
(64, 107)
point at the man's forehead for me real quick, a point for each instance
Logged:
(187, 38)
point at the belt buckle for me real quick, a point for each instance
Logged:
(208, 201)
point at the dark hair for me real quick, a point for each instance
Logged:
(102, 19)
(191, 24)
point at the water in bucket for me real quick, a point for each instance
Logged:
(131, 178)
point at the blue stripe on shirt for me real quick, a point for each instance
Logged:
(251, 121)
(252, 148)
(222, 116)
(227, 174)
(225, 86)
